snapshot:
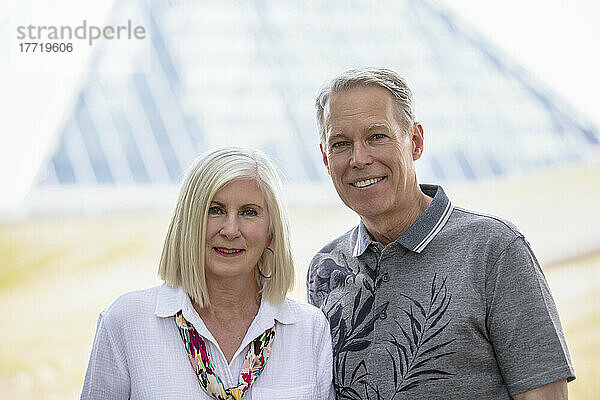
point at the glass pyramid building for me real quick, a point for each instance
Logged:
(246, 73)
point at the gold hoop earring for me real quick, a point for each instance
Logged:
(258, 267)
(261, 274)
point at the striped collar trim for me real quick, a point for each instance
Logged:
(424, 229)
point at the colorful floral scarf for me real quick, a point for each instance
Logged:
(208, 377)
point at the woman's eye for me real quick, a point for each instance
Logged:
(249, 212)
(215, 211)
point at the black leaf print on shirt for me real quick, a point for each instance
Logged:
(352, 334)
(413, 346)
(418, 339)
(352, 337)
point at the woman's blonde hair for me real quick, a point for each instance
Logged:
(182, 262)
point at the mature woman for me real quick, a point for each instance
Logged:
(221, 326)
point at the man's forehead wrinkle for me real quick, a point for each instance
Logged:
(346, 114)
(335, 134)
(346, 111)
(378, 125)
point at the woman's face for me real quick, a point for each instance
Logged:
(237, 231)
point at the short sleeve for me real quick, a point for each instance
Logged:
(522, 322)
(106, 376)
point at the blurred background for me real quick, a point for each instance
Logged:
(94, 143)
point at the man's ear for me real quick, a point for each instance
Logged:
(325, 160)
(417, 141)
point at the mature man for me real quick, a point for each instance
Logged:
(425, 300)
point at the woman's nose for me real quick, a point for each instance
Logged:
(230, 229)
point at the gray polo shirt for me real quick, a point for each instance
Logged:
(456, 307)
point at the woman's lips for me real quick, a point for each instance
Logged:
(227, 252)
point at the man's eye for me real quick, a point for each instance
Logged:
(249, 212)
(215, 210)
(340, 144)
(379, 136)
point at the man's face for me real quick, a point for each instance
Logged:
(368, 153)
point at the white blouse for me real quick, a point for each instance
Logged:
(138, 352)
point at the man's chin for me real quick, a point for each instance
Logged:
(367, 210)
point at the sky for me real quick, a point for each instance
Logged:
(553, 39)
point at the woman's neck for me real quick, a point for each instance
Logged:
(232, 299)
(230, 313)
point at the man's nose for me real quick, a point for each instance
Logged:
(361, 155)
(231, 228)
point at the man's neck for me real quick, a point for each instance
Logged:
(389, 227)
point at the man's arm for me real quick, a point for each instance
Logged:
(523, 325)
(552, 391)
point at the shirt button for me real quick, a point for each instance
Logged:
(382, 315)
(349, 279)
(385, 277)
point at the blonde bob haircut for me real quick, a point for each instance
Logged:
(182, 263)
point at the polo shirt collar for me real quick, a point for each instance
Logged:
(422, 231)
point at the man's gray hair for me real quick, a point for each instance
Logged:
(367, 76)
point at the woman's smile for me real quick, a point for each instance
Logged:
(227, 252)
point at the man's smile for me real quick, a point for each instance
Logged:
(367, 182)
